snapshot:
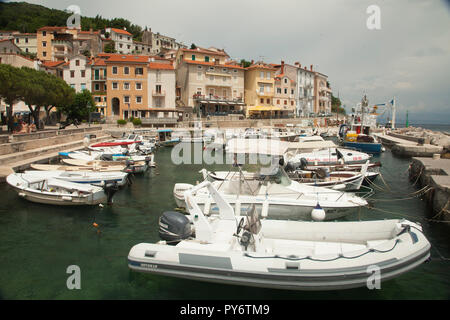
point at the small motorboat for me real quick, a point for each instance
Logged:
(86, 177)
(129, 166)
(275, 195)
(61, 167)
(58, 192)
(280, 254)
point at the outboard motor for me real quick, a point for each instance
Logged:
(174, 227)
(110, 188)
(303, 163)
(147, 160)
(129, 166)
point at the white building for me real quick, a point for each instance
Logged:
(77, 73)
(305, 92)
(123, 40)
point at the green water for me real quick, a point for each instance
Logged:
(39, 242)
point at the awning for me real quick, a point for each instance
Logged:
(263, 108)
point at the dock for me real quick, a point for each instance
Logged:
(19, 151)
(434, 173)
(408, 146)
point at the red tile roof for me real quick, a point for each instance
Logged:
(261, 66)
(52, 64)
(160, 66)
(48, 28)
(121, 31)
(99, 62)
(115, 57)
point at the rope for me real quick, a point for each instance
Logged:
(340, 256)
(405, 215)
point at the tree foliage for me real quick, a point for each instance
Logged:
(245, 63)
(36, 89)
(336, 105)
(26, 17)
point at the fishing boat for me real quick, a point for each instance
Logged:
(276, 196)
(280, 254)
(87, 177)
(129, 166)
(165, 138)
(58, 192)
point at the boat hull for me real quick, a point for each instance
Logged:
(364, 146)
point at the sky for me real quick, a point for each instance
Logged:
(407, 58)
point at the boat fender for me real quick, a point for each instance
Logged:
(318, 214)
(303, 163)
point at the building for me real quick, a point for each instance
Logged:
(99, 84)
(18, 61)
(209, 82)
(55, 43)
(142, 48)
(162, 109)
(123, 40)
(8, 46)
(259, 91)
(126, 83)
(88, 41)
(77, 73)
(27, 42)
(322, 94)
(284, 96)
(53, 67)
(305, 92)
(7, 34)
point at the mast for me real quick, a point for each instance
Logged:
(393, 113)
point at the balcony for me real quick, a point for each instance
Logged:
(218, 99)
(98, 78)
(159, 93)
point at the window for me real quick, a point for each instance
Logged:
(72, 74)
(97, 87)
(199, 67)
(128, 46)
(77, 62)
(17, 40)
(114, 70)
(138, 86)
(278, 101)
(211, 68)
(262, 100)
(44, 33)
(285, 102)
(126, 86)
(268, 75)
(26, 40)
(120, 37)
(83, 86)
(126, 70)
(278, 90)
(128, 38)
(138, 99)
(72, 86)
(261, 75)
(193, 57)
(126, 99)
(285, 90)
(114, 85)
(268, 101)
(83, 73)
(261, 89)
(44, 43)
(285, 80)
(292, 103)
(26, 49)
(158, 88)
(139, 71)
(292, 91)
(206, 59)
(120, 45)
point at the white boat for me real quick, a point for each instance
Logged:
(86, 177)
(58, 192)
(327, 156)
(95, 167)
(275, 196)
(126, 165)
(279, 254)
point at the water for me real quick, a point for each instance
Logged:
(434, 127)
(38, 243)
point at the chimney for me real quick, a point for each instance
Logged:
(297, 63)
(311, 67)
(282, 66)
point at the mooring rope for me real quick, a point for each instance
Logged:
(405, 215)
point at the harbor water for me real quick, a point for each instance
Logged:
(39, 242)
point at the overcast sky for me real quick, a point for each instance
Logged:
(409, 57)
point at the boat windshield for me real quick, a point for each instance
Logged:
(279, 176)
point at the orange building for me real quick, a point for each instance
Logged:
(127, 88)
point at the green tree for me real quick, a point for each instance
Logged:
(83, 103)
(336, 105)
(193, 46)
(245, 63)
(10, 89)
(110, 47)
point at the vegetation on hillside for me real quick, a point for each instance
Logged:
(26, 17)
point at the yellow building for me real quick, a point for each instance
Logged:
(259, 91)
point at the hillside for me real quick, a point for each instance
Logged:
(26, 17)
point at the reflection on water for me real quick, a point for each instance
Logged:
(38, 243)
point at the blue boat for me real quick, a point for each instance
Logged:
(165, 138)
(357, 140)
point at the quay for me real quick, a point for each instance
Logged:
(434, 173)
(19, 151)
(409, 146)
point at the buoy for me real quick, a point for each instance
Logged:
(95, 225)
(318, 214)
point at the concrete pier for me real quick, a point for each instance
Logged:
(436, 174)
(407, 146)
